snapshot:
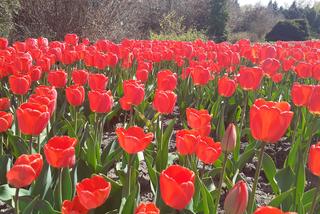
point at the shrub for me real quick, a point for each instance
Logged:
(289, 30)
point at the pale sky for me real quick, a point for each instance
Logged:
(285, 3)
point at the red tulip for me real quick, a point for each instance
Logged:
(133, 94)
(316, 72)
(301, 94)
(270, 66)
(98, 81)
(93, 192)
(4, 104)
(19, 84)
(80, 77)
(199, 120)
(25, 170)
(250, 78)
(314, 101)
(226, 86)
(142, 75)
(237, 199)
(147, 208)
(269, 120)
(207, 150)
(3, 43)
(71, 39)
(177, 186)
(164, 101)
(277, 78)
(75, 95)
(100, 101)
(186, 141)
(35, 73)
(166, 80)
(57, 78)
(32, 118)
(229, 140)
(48, 91)
(304, 70)
(200, 75)
(5, 121)
(60, 151)
(133, 139)
(73, 207)
(314, 159)
(271, 210)
(43, 100)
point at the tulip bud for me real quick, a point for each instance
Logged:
(237, 199)
(229, 140)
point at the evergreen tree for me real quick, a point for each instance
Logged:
(217, 20)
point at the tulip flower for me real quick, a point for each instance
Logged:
(100, 101)
(73, 207)
(270, 66)
(133, 139)
(35, 73)
(226, 86)
(199, 120)
(199, 75)
(166, 80)
(25, 170)
(314, 159)
(93, 192)
(250, 78)
(57, 78)
(3, 43)
(80, 77)
(60, 151)
(177, 186)
(271, 210)
(207, 150)
(133, 94)
(303, 70)
(19, 84)
(142, 75)
(301, 94)
(229, 140)
(164, 101)
(5, 121)
(4, 104)
(186, 141)
(147, 208)
(75, 95)
(314, 101)
(237, 199)
(43, 100)
(71, 39)
(98, 81)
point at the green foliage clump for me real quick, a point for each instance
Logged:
(8, 8)
(289, 30)
(172, 28)
(217, 20)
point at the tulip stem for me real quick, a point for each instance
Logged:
(314, 202)
(1, 145)
(243, 112)
(129, 174)
(221, 180)
(39, 145)
(256, 177)
(16, 201)
(76, 121)
(131, 117)
(30, 144)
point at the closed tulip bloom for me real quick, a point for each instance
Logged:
(32, 118)
(250, 78)
(3, 43)
(314, 101)
(226, 86)
(48, 91)
(133, 94)
(93, 192)
(71, 39)
(5, 121)
(270, 66)
(80, 77)
(57, 78)
(303, 70)
(200, 75)
(229, 140)
(237, 199)
(207, 150)
(177, 186)
(35, 73)
(164, 101)
(316, 72)
(147, 208)
(142, 75)
(166, 80)
(19, 84)
(75, 95)
(269, 120)
(60, 151)
(314, 159)
(100, 101)
(43, 100)
(73, 207)
(277, 78)
(271, 210)
(98, 81)
(133, 139)
(4, 104)
(186, 141)
(25, 170)
(301, 94)
(199, 120)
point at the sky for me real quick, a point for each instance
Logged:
(285, 3)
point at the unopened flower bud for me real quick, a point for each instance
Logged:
(237, 199)
(229, 140)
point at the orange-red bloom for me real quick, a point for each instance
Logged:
(73, 207)
(75, 95)
(19, 84)
(177, 186)
(314, 101)
(250, 78)
(100, 101)
(166, 80)
(207, 150)
(269, 120)
(226, 86)
(147, 208)
(304, 70)
(43, 100)
(142, 75)
(133, 139)
(25, 170)
(32, 118)
(164, 101)
(199, 120)
(98, 81)
(80, 77)
(271, 210)
(301, 94)
(200, 75)
(57, 78)
(4, 104)
(5, 121)
(60, 151)
(93, 192)
(133, 94)
(186, 141)
(314, 159)
(237, 199)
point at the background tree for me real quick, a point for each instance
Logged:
(217, 20)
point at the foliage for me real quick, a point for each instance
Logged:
(217, 20)
(8, 8)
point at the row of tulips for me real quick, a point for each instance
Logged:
(172, 101)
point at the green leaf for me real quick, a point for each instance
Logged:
(301, 180)
(244, 158)
(42, 183)
(308, 197)
(67, 193)
(6, 162)
(270, 170)
(129, 203)
(29, 208)
(277, 201)
(6, 192)
(151, 171)
(17, 145)
(285, 178)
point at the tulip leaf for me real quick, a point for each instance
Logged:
(6, 192)
(18, 145)
(31, 205)
(245, 157)
(270, 171)
(67, 192)
(151, 170)
(300, 182)
(277, 201)
(128, 204)
(42, 183)
(308, 197)
(285, 178)
(207, 204)
(5, 161)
